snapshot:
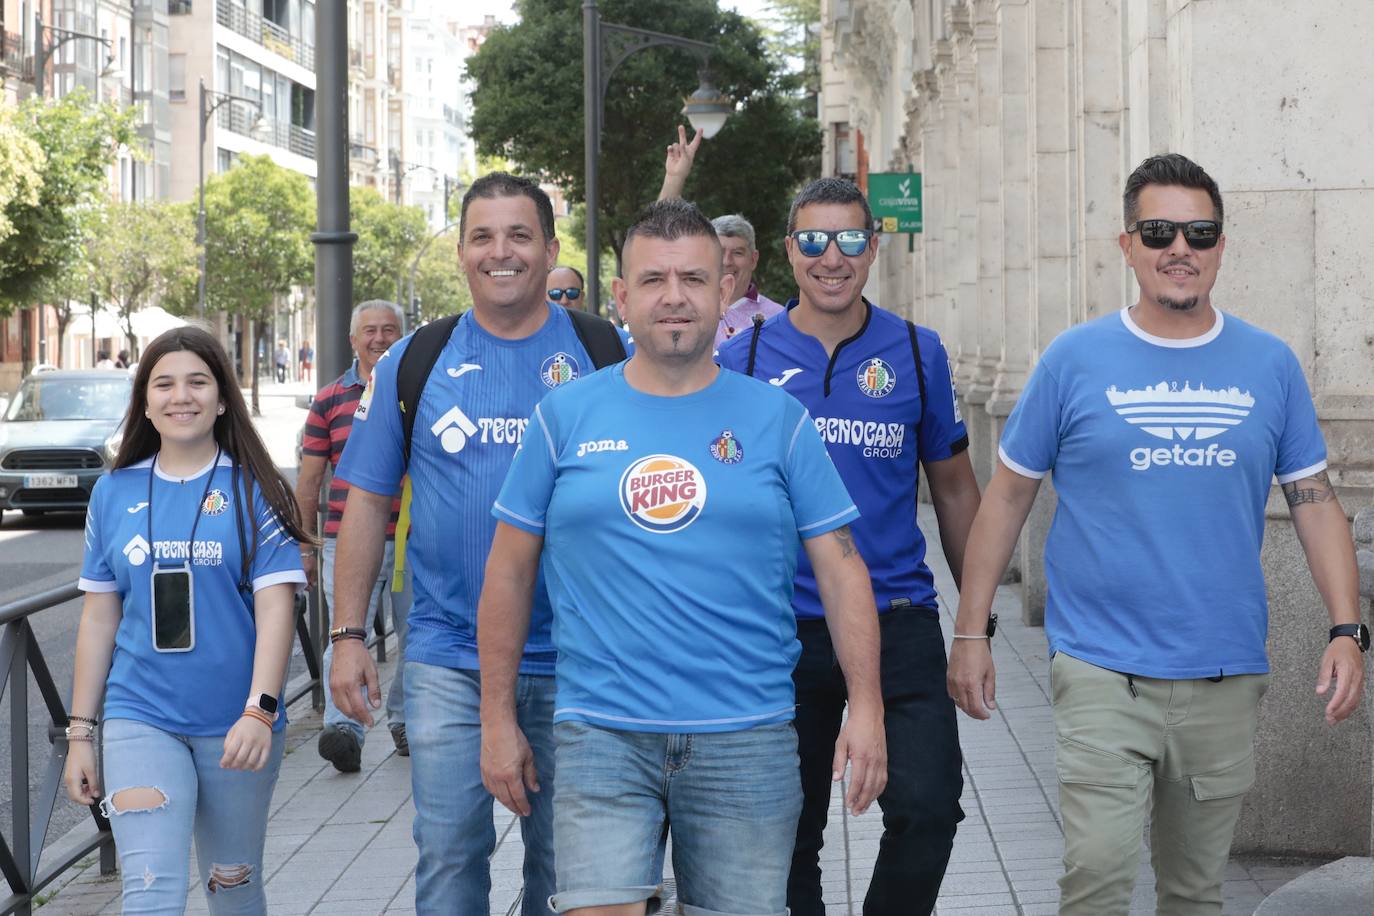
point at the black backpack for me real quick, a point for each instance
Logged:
(598, 336)
(915, 354)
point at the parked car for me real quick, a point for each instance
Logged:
(59, 433)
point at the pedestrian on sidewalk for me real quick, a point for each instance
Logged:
(190, 572)
(1163, 425)
(675, 695)
(884, 401)
(282, 360)
(736, 234)
(481, 375)
(307, 359)
(374, 326)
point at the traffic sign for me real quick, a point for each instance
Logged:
(895, 198)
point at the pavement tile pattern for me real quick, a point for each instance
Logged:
(340, 844)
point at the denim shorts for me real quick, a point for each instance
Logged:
(732, 799)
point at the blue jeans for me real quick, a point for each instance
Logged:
(225, 810)
(400, 614)
(454, 828)
(732, 799)
(924, 765)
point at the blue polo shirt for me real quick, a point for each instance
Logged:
(867, 406)
(646, 505)
(472, 417)
(1163, 452)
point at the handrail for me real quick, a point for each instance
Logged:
(27, 866)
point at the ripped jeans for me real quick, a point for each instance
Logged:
(225, 810)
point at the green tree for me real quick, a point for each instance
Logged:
(439, 281)
(21, 169)
(389, 236)
(527, 109)
(79, 139)
(258, 219)
(796, 36)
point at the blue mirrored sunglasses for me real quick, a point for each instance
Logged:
(813, 242)
(572, 292)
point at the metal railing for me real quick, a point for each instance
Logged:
(292, 137)
(12, 53)
(265, 32)
(26, 864)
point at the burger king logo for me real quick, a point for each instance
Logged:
(662, 493)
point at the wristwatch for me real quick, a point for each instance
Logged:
(1357, 631)
(264, 701)
(992, 625)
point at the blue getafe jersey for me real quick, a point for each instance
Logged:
(472, 416)
(200, 692)
(1163, 452)
(867, 408)
(671, 529)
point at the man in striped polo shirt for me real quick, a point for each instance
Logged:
(375, 326)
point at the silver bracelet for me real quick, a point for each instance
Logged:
(961, 636)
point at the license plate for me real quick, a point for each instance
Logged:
(49, 481)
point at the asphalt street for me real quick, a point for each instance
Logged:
(43, 552)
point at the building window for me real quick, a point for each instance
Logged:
(176, 77)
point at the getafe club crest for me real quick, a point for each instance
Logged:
(662, 493)
(215, 503)
(876, 378)
(726, 449)
(558, 369)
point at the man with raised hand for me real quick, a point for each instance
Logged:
(479, 384)
(880, 391)
(1163, 425)
(675, 696)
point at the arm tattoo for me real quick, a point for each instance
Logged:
(1314, 489)
(846, 539)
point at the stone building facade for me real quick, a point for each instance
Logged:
(1024, 118)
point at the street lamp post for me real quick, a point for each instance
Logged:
(707, 109)
(41, 52)
(210, 102)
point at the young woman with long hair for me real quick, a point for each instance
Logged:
(191, 564)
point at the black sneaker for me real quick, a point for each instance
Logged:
(398, 737)
(339, 746)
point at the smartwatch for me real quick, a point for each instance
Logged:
(1357, 631)
(264, 701)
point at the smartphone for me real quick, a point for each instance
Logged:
(174, 609)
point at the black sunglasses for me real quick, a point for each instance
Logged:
(1160, 233)
(572, 292)
(813, 242)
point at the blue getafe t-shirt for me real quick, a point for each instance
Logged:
(867, 409)
(647, 505)
(472, 417)
(1163, 452)
(200, 692)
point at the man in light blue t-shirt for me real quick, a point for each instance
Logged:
(674, 661)
(1163, 426)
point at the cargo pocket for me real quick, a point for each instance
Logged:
(1228, 782)
(1083, 765)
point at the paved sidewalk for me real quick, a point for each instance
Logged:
(340, 845)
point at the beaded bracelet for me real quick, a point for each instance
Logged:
(86, 719)
(88, 736)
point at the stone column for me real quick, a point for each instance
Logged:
(1053, 292)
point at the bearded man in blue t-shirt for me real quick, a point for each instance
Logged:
(675, 699)
(1163, 425)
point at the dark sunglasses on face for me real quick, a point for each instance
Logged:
(813, 242)
(1160, 233)
(572, 292)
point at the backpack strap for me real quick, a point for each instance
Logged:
(754, 343)
(920, 385)
(599, 338)
(416, 363)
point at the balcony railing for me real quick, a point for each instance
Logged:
(291, 137)
(265, 32)
(179, 7)
(362, 152)
(12, 58)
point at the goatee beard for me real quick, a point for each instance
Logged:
(1178, 305)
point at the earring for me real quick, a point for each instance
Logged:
(221, 410)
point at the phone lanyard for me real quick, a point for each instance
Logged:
(191, 545)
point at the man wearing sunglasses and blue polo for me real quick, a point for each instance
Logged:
(880, 392)
(1164, 425)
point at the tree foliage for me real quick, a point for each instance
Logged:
(439, 282)
(21, 169)
(389, 236)
(528, 107)
(258, 220)
(79, 140)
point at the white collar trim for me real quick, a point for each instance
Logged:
(1175, 343)
(224, 461)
